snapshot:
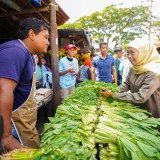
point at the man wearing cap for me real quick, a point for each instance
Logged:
(118, 54)
(68, 69)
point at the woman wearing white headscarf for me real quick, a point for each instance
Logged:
(142, 85)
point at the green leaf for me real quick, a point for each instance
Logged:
(147, 149)
(158, 155)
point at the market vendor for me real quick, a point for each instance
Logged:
(142, 85)
(17, 84)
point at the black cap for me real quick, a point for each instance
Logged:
(118, 49)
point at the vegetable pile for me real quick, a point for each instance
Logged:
(88, 126)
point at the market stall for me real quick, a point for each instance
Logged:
(44, 100)
(88, 126)
(12, 12)
(43, 96)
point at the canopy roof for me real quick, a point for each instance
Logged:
(78, 37)
(13, 11)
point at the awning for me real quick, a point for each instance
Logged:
(14, 11)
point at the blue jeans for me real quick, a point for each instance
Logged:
(14, 132)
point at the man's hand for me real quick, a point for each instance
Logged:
(72, 71)
(11, 143)
(107, 93)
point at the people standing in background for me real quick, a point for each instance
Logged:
(43, 62)
(40, 70)
(17, 80)
(47, 57)
(47, 75)
(85, 71)
(142, 85)
(124, 68)
(118, 54)
(47, 80)
(92, 56)
(103, 66)
(68, 70)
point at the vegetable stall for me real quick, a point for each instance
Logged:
(88, 126)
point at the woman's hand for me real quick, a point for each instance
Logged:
(107, 93)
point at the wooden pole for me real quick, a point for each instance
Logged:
(54, 54)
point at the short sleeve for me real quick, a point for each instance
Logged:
(89, 73)
(121, 66)
(12, 62)
(44, 69)
(94, 64)
(61, 66)
(113, 61)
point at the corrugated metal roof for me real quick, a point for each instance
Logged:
(78, 37)
(13, 11)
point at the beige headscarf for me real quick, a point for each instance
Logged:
(148, 58)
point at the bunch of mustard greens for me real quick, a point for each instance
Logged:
(88, 126)
(128, 132)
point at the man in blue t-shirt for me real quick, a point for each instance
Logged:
(68, 69)
(17, 84)
(103, 66)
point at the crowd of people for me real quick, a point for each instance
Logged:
(43, 73)
(135, 71)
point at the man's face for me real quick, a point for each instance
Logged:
(70, 52)
(104, 49)
(41, 41)
(119, 54)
